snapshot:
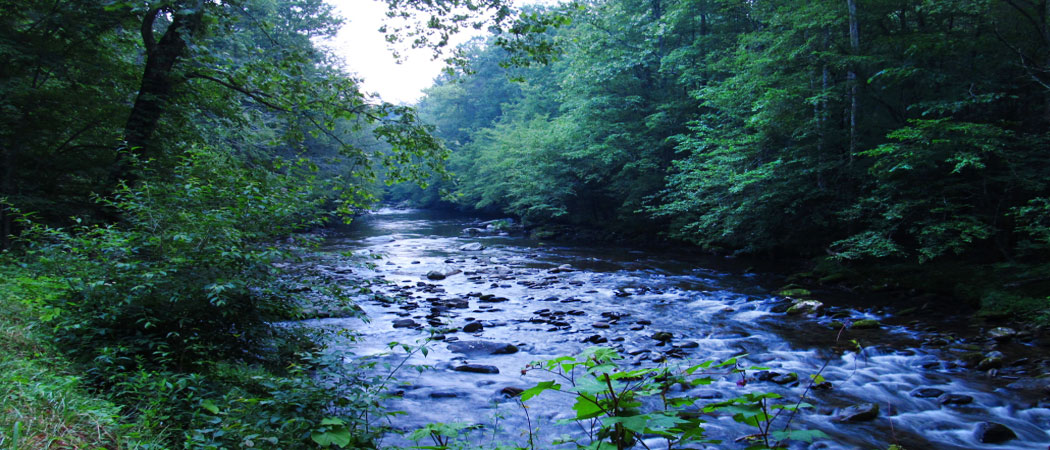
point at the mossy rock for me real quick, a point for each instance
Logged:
(543, 234)
(794, 292)
(801, 276)
(805, 307)
(866, 324)
(833, 278)
(836, 325)
(907, 311)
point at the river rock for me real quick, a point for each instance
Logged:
(1002, 334)
(785, 378)
(435, 275)
(473, 327)
(805, 307)
(927, 393)
(477, 368)
(954, 399)
(405, 323)
(865, 324)
(795, 292)
(477, 348)
(662, 336)
(600, 325)
(472, 247)
(993, 433)
(858, 413)
(1032, 384)
(510, 391)
(992, 360)
(595, 339)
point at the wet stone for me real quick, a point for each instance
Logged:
(866, 324)
(927, 393)
(510, 391)
(405, 323)
(475, 348)
(600, 325)
(595, 339)
(473, 327)
(1002, 334)
(662, 336)
(993, 433)
(477, 368)
(858, 413)
(955, 399)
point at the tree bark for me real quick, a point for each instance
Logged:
(158, 81)
(851, 77)
(6, 188)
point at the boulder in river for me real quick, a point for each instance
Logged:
(435, 275)
(663, 336)
(472, 247)
(993, 433)
(805, 307)
(954, 399)
(405, 323)
(785, 378)
(476, 348)
(473, 327)
(865, 324)
(510, 391)
(1002, 334)
(992, 360)
(858, 413)
(927, 393)
(794, 292)
(477, 368)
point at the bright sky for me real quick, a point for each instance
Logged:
(367, 53)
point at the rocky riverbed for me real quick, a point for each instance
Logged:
(491, 301)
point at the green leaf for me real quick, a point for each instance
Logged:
(586, 407)
(340, 437)
(210, 406)
(539, 388)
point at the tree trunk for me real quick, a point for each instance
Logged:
(158, 82)
(1046, 47)
(6, 189)
(851, 77)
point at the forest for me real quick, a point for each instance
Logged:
(169, 166)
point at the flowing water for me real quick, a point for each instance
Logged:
(546, 299)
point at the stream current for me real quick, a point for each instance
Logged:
(555, 299)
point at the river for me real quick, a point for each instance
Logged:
(555, 299)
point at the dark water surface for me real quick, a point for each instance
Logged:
(712, 302)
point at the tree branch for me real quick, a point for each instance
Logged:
(148, 39)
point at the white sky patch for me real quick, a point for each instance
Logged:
(367, 54)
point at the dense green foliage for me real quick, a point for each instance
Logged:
(156, 157)
(911, 131)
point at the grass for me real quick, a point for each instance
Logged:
(44, 405)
